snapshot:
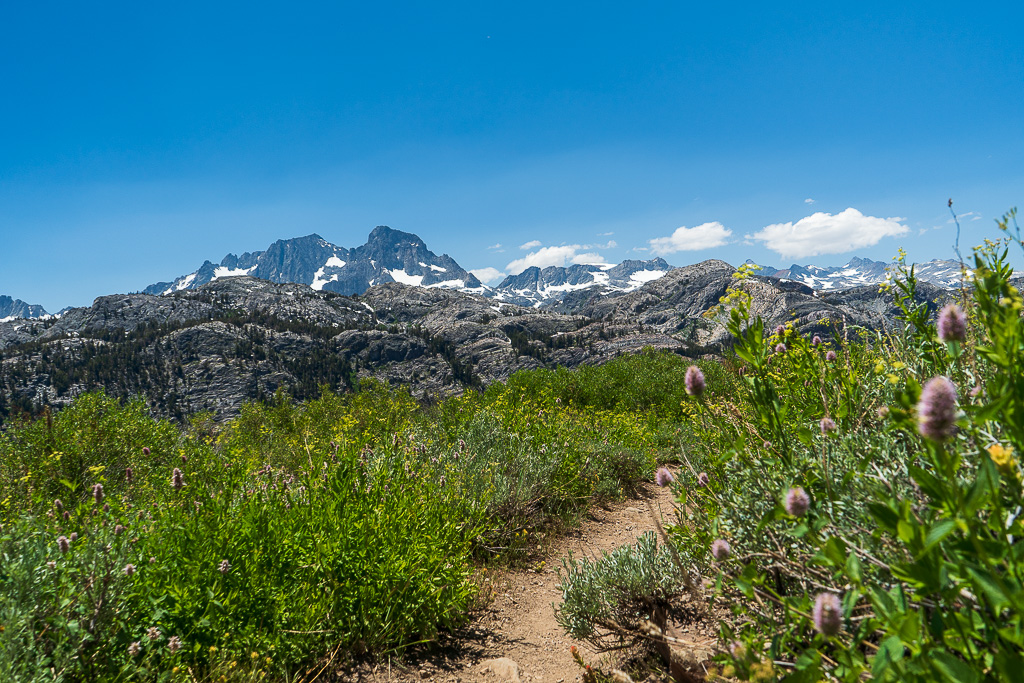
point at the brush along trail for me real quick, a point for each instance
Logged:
(515, 636)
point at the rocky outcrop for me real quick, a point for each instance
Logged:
(241, 338)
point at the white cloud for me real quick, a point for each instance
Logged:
(488, 275)
(589, 257)
(639, 249)
(553, 256)
(605, 234)
(532, 244)
(495, 246)
(808, 201)
(823, 233)
(704, 236)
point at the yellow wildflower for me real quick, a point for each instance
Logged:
(1001, 455)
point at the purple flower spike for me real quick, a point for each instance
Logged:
(827, 614)
(780, 348)
(177, 481)
(129, 475)
(145, 450)
(63, 544)
(830, 356)
(703, 479)
(694, 381)
(97, 493)
(129, 569)
(952, 324)
(174, 644)
(936, 411)
(721, 550)
(663, 477)
(780, 330)
(828, 425)
(224, 567)
(816, 341)
(797, 502)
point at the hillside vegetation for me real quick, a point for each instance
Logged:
(856, 502)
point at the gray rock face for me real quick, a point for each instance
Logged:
(545, 287)
(388, 256)
(238, 339)
(859, 272)
(16, 308)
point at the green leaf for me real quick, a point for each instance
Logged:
(890, 652)
(953, 669)
(938, 532)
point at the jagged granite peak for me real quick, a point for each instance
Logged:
(388, 256)
(11, 308)
(859, 272)
(544, 287)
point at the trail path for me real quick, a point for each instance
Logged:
(519, 623)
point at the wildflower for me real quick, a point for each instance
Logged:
(97, 493)
(828, 425)
(63, 544)
(816, 341)
(134, 648)
(51, 564)
(177, 481)
(827, 614)
(119, 529)
(66, 515)
(1001, 455)
(106, 507)
(703, 479)
(129, 569)
(976, 391)
(780, 348)
(57, 505)
(152, 560)
(883, 412)
(224, 567)
(153, 633)
(145, 450)
(797, 502)
(129, 476)
(952, 324)
(780, 330)
(766, 445)
(936, 411)
(721, 550)
(663, 477)
(174, 644)
(830, 356)
(694, 381)
(184, 459)
(74, 536)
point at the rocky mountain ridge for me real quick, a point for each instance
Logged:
(388, 256)
(859, 272)
(241, 338)
(11, 308)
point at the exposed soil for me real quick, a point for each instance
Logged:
(519, 622)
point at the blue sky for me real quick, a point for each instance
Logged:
(137, 140)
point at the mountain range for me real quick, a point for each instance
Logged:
(238, 339)
(11, 309)
(394, 256)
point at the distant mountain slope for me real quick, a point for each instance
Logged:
(241, 338)
(861, 271)
(16, 308)
(542, 287)
(388, 256)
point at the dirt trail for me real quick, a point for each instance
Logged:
(519, 623)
